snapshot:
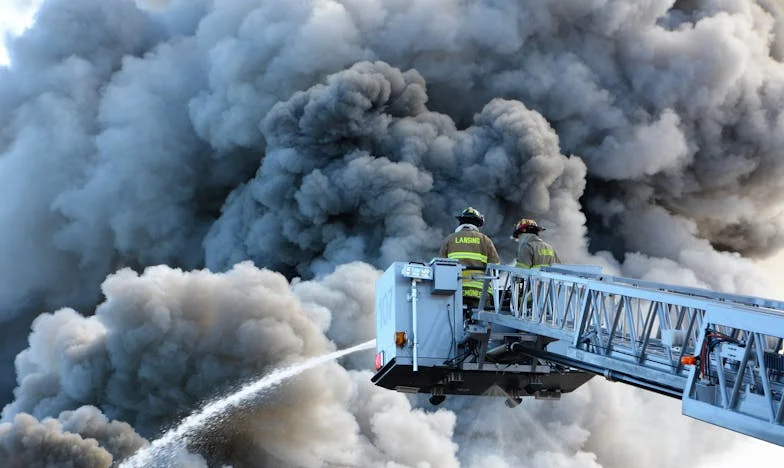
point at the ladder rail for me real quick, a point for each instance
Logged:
(639, 331)
(579, 270)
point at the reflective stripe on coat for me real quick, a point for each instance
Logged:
(533, 252)
(474, 250)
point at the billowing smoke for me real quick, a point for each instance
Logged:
(358, 169)
(196, 191)
(166, 340)
(80, 438)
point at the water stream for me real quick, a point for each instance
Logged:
(161, 450)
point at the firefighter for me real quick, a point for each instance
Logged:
(532, 251)
(472, 249)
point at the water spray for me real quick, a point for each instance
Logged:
(177, 438)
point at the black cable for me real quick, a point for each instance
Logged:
(712, 339)
(460, 358)
(453, 344)
(470, 349)
(457, 360)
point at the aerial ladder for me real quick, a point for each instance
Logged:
(544, 332)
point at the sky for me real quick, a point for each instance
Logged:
(197, 191)
(15, 16)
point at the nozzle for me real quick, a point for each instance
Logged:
(436, 400)
(513, 402)
(437, 395)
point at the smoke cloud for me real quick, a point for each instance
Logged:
(357, 169)
(80, 438)
(166, 340)
(195, 192)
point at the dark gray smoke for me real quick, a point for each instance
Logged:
(325, 139)
(358, 169)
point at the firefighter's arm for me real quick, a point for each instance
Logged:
(492, 253)
(443, 252)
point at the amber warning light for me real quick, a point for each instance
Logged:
(400, 339)
(689, 360)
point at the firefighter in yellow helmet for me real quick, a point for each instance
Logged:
(472, 249)
(532, 251)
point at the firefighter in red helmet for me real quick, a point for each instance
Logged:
(532, 251)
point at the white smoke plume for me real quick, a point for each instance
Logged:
(80, 438)
(162, 341)
(327, 138)
(166, 340)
